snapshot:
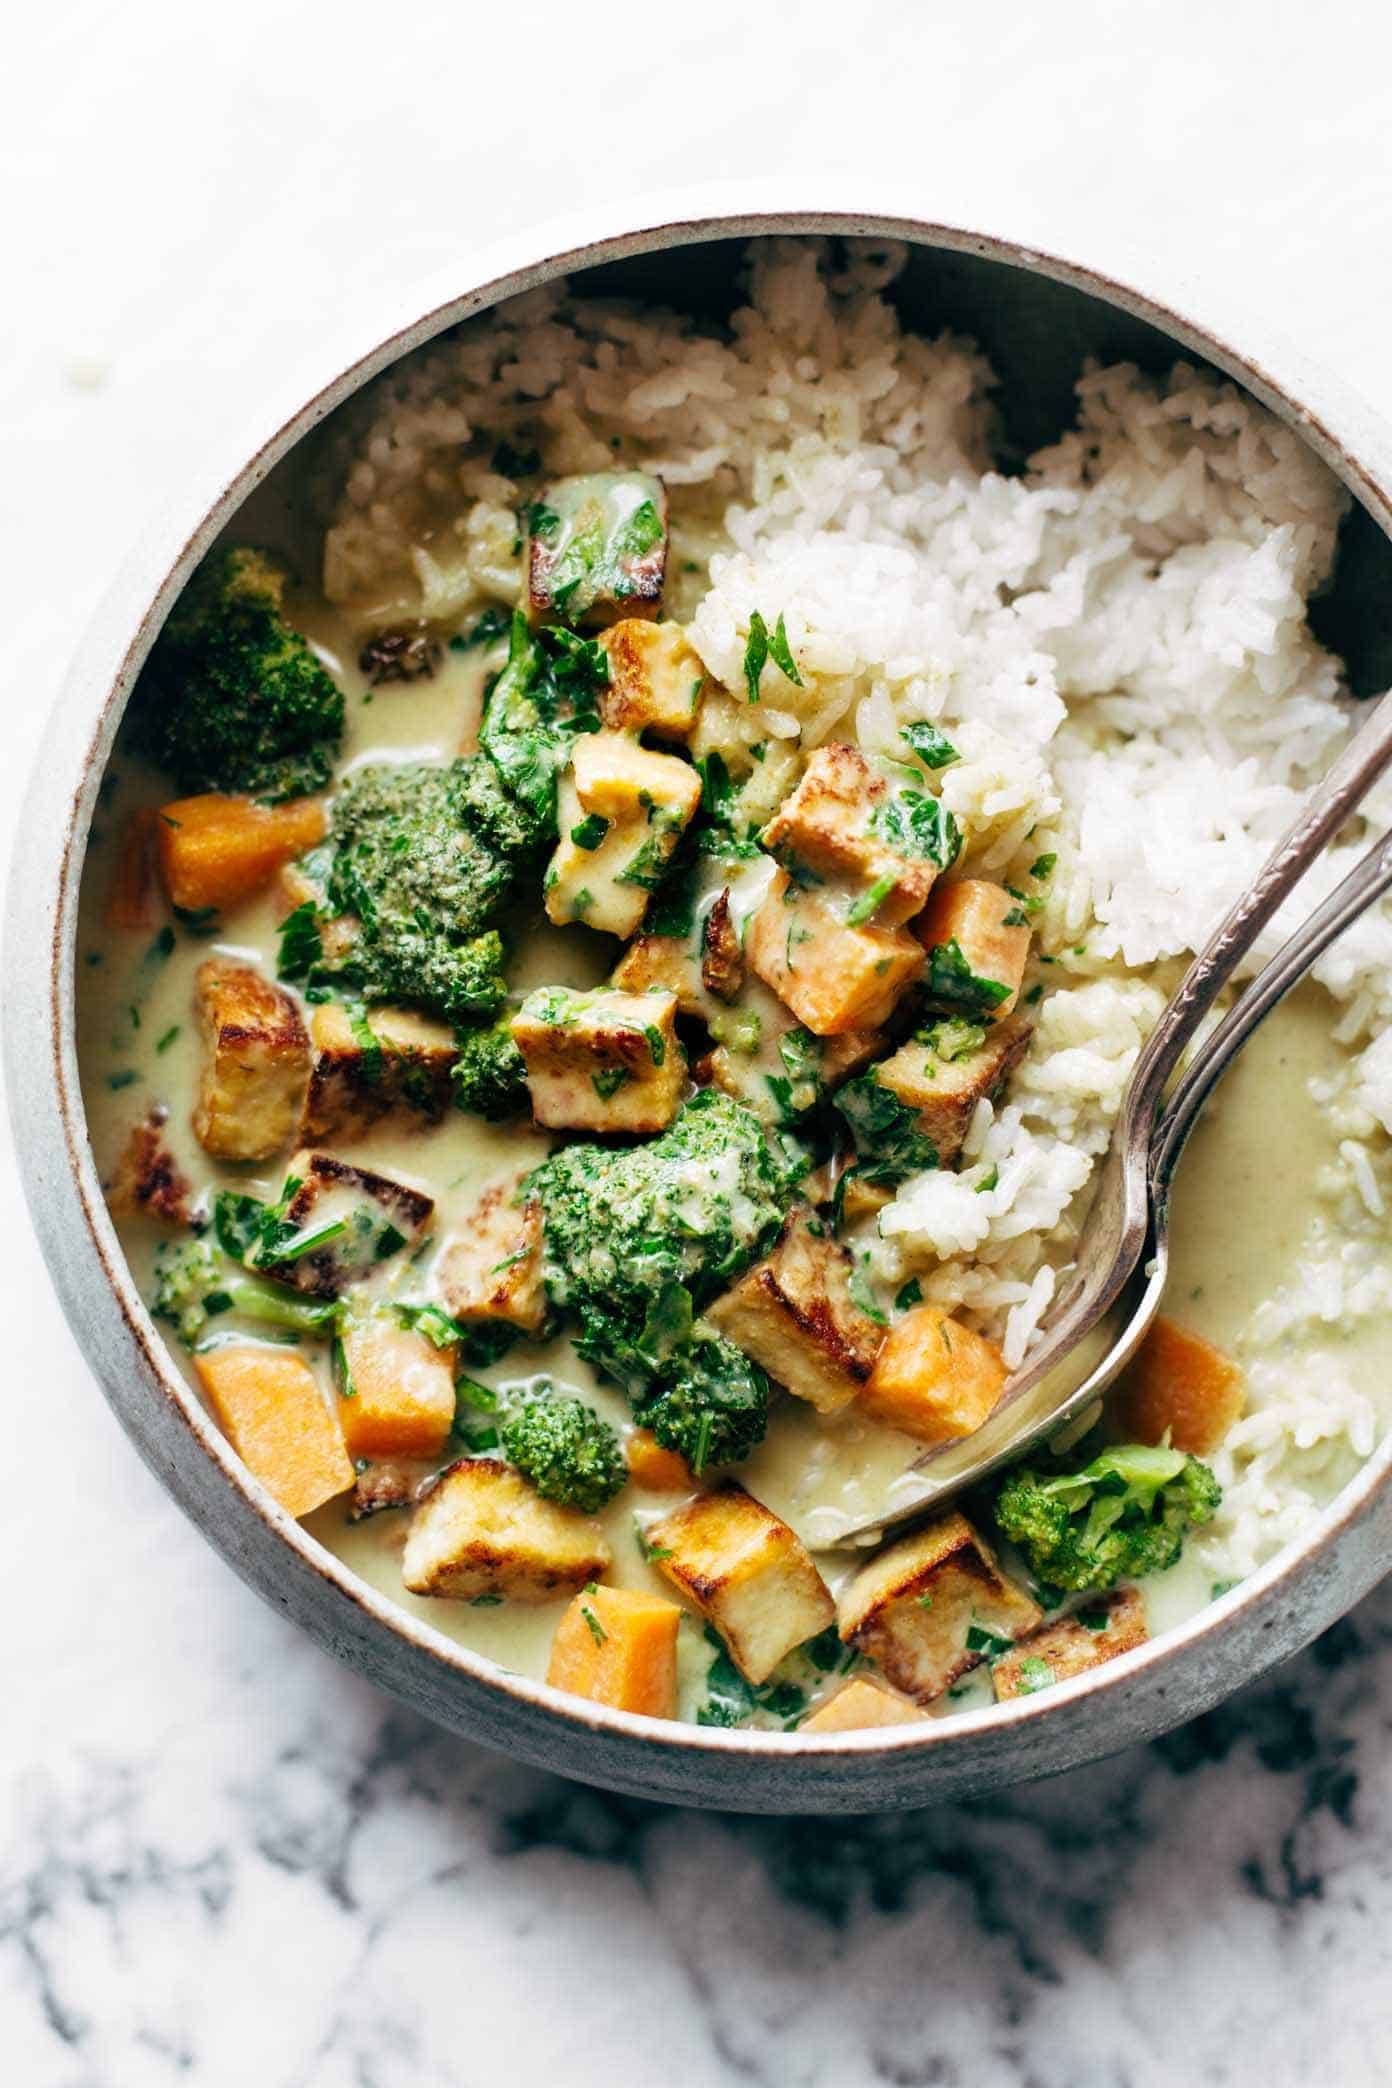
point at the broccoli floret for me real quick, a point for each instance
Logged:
(567, 1450)
(490, 1075)
(638, 1238)
(711, 1403)
(194, 1283)
(545, 695)
(231, 697)
(424, 859)
(1123, 1515)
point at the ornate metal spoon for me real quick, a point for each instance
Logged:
(1123, 1251)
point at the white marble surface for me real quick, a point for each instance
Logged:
(222, 1858)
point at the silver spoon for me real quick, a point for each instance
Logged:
(1123, 1250)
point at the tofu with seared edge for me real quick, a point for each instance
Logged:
(149, 1182)
(601, 1061)
(385, 1062)
(484, 1531)
(621, 811)
(931, 1606)
(794, 1314)
(745, 1571)
(597, 548)
(491, 1269)
(340, 1221)
(833, 826)
(1087, 1638)
(655, 680)
(256, 1062)
(945, 1070)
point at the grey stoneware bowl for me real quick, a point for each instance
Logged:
(1038, 316)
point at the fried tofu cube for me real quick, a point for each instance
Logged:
(397, 1389)
(597, 548)
(149, 1182)
(664, 964)
(943, 1072)
(794, 1314)
(722, 953)
(859, 1705)
(255, 1062)
(601, 1061)
(929, 1608)
(491, 1270)
(746, 1572)
(345, 1220)
(215, 850)
(977, 937)
(840, 824)
(778, 1078)
(484, 1531)
(619, 1646)
(300, 884)
(1088, 1638)
(388, 1063)
(934, 1379)
(272, 1409)
(622, 809)
(834, 977)
(1178, 1385)
(655, 680)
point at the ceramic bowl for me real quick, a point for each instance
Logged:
(1038, 316)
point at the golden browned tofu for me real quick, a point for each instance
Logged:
(484, 1531)
(933, 1605)
(977, 937)
(655, 680)
(387, 1062)
(298, 888)
(838, 825)
(621, 811)
(859, 1705)
(664, 964)
(934, 1378)
(148, 1182)
(794, 1314)
(1087, 1638)
(722, 957)
(946, 1070)
(834, 977)
(597, 547)
(342, 1222)
(747, 1572)
(491, 1270)
(601, 1061)
(255, 1062)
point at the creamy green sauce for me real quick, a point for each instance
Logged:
(1248, 1217)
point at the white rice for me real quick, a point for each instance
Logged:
(1116, 640)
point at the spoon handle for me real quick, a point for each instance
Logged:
(1348, 779)
(1365, 884)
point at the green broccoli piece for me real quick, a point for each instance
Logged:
(231, 698)
(424, 860)
(194, 1283)
(545, 696)
(568, 1451)
(490, 1074)
(1123, 1515)
(710, 1403)
(638, 1238)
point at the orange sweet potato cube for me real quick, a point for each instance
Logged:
(618, 1646)
(654, 1468)
(398, 1390)
(216, 851)
(977, 939)
(272, 1410)
(835, 975)
(933, 1377)
(1181, 1383)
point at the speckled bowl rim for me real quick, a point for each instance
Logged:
(1183, 1671)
